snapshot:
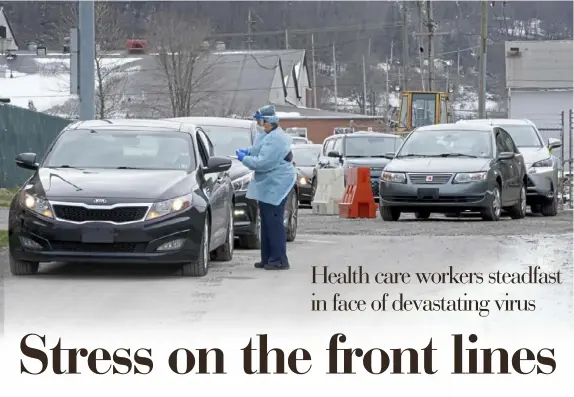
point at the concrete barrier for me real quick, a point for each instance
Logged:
(330, 190)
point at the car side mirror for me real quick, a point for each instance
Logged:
(554, 143)
(27, 161)
(390, 155)
(333, 154)
(217, 164)
(506, 156)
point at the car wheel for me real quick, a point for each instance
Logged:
(22, 268)
(291, 215)
(422, 215)
(253, 241)
(492, 213)
(199, 267)
(518, 211)
(225, 252)
(550, 208)
(313, 189)
(389, 214)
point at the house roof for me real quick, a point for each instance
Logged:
(9, 26)
(539, 64)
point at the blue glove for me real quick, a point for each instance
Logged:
(241, 155)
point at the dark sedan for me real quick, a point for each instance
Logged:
(124, 191)
(451, 168)
(228, 135)
(305, 158)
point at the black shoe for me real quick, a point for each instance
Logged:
(259, 265)
(277, 267)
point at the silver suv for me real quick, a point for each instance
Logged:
(541, 165)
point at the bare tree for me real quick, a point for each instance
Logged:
(111, 69)
(184, 62)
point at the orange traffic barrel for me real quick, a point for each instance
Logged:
(358, 200)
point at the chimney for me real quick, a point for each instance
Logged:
(220, 46)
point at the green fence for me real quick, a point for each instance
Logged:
(21, 131)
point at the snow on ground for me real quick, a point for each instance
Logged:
(50, 86)
(284, 115)
(468, 100)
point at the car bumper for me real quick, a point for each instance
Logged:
(36, 239)
(451, 197)
(305, 193)
(245, 215)
(540, 184)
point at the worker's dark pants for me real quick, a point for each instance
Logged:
(273, 234)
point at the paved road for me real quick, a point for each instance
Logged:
(66, 296)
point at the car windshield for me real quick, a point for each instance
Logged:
(371, 146)
(226, 140)
(299, 141)
(523, 135)
(306, 156)
(448, 144)
(163, 150)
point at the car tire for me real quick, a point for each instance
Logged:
(492, 213)
(22, 268)
(389, 214)
(550, 208)
(313, 189)
(422, 215)
(293, 212)
(199, 267)
(225, 252)
(518, 211)
(252, 241)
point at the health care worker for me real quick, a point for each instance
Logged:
(274, 177)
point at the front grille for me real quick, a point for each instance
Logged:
(82, 214)
(91, 247)
(441, 199)
(375, 187)
(435, 179)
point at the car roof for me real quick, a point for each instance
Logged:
(457, 127)
(368, 134)
(214, 121)
(128, 124)
(498, 122)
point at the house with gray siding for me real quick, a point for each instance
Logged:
(539, 83)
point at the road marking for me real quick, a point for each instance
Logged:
(316, 241)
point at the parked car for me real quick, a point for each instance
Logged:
(451, 168)
(228, 135)
(542, 167)
(301, 141)
(134, 191)
(360, 149)
(305, 158)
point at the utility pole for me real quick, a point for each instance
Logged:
(482, 66)
(250, 22)
(387, 91)
(405, 61)
(364, 88)
(314, 71)
(335, 79)
(86, 59)
(430, 26)
(286, 39)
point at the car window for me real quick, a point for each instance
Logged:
(118, 149)
(226, 140)
(371, 146)
(523, 135)
(328, 146)
(207, 143)
(500, 144)
(448, 142)
(508, 142)
(338, 147)
(306, 156)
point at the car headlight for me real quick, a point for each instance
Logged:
(303, 181)
(170, 206)
(36, 204)
(397, 177)
(549, 162)
(241, 184)
(467, 177)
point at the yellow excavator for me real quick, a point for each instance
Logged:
(422, 108)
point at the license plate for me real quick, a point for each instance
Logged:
(427, 193)
(101, 235)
